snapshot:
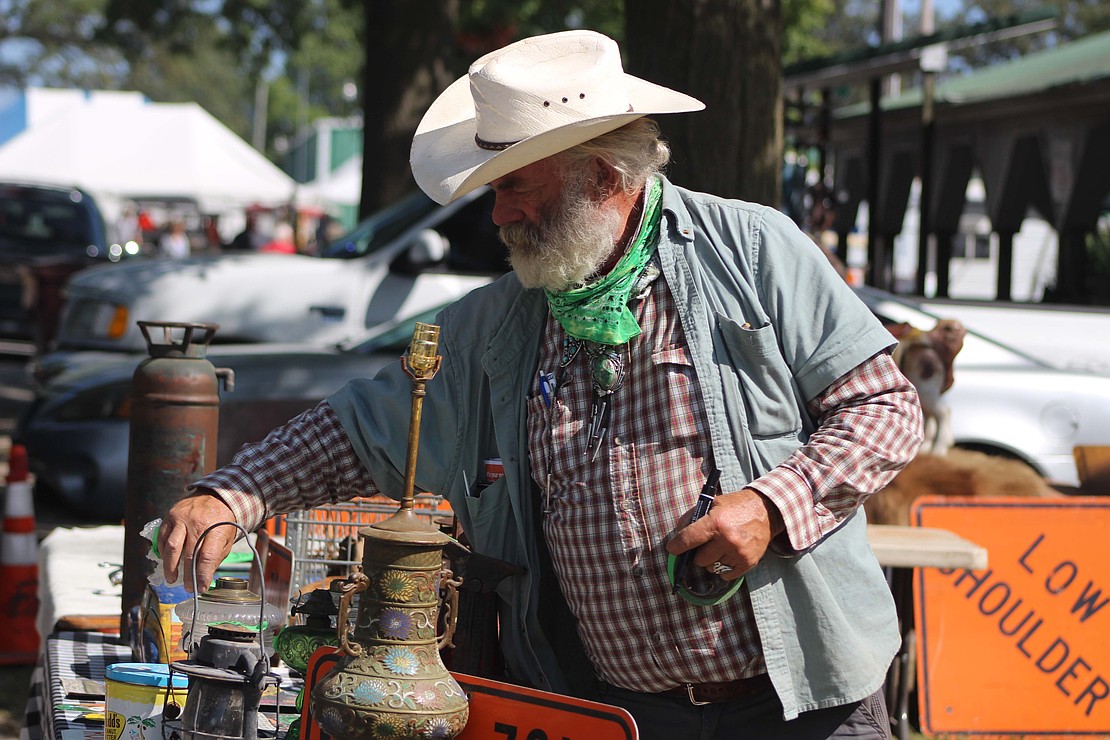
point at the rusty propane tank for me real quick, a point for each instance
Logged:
(175, 408)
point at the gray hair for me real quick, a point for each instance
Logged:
(636, 151)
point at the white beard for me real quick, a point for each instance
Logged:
(569, 245)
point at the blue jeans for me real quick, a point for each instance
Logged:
(759, 717)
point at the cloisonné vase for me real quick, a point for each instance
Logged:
(391, 681)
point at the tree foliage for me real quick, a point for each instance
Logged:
(253, 30)
(302, 54)
(307, 54)
(207, 76)
(816, 28)
(320, 76)
(1074, 19)
(805, 25)
(485, 25)
(55, 43)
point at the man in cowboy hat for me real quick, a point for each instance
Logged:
(650, 342)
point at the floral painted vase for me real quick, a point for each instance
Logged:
(391, 681)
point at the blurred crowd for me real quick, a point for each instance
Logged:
(178, 230)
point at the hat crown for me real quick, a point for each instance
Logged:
(546, 82)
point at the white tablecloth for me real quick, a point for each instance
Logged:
(72, 581)
(75, 565)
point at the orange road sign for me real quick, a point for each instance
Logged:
(502, 711)
(1021, 647)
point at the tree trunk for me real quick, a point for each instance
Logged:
(409, 61)
(728, 54)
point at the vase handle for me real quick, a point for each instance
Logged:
(450, 608)
(355, 583)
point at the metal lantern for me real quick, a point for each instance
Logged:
(228, 601)
(296, 643)
(228, 671)
(319, 608)
(226, 681)
(391, 681)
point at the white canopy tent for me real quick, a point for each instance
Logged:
(154, 150)
(337, 192)
(342, 187)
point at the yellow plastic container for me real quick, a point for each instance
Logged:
(135, 694)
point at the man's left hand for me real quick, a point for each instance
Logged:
(736, 533)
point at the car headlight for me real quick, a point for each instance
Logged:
(96, 318)
(107, 402)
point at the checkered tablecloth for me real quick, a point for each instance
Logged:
(67, 689)
(32, 715)
(66, 700)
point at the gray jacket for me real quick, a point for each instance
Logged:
(769, 325)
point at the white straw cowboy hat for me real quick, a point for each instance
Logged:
(525, 102)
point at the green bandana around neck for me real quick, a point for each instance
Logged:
(599, 312)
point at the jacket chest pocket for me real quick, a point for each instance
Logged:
(765, 379)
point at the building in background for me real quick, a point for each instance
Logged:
(326, 163)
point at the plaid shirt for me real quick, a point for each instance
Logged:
(606, 521)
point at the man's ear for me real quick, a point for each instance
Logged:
(606, 178)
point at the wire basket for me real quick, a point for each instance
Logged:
(325, 540)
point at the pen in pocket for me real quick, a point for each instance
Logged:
(547, 387)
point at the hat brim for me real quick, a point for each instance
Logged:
(448, 163)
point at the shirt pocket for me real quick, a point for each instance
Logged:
(765, 379)
(683, 397)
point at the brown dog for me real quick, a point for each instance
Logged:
(926, 358)
(959, 473)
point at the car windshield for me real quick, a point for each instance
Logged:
(50, 218)
(394, 336)
(381, 228)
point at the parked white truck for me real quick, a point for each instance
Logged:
(400, 262)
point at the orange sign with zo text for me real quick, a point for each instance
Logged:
(1023, 646)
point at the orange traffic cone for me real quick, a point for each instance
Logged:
(19, 570)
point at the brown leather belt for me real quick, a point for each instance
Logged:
(721, 691)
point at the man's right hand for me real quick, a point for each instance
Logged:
(182, 526)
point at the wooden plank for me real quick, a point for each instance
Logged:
(88, 623)
(1092, 462)
(898, 546)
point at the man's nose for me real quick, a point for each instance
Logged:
(505, 211)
